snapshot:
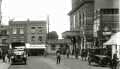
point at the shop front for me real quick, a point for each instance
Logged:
(36, 49)
(114, 44)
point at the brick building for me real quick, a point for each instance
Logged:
(18, 32)
(36, 36)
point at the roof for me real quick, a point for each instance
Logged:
(82, 2)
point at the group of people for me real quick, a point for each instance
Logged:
(76, 53)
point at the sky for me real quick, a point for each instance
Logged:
(39, 10)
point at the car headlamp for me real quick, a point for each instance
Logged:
(25, 56)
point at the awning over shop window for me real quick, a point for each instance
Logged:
(71, 34)
(35, 46)
(114, 40)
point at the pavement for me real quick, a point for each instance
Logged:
(4, 65)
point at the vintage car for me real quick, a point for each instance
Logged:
(99, 56)
(19, 56)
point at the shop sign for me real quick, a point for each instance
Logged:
(107, 33)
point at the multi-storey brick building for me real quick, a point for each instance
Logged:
(36, 36)
(36, 32)
(18, 33)
(29, 33)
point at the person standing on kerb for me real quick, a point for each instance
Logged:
(58, 56)
(114, 62)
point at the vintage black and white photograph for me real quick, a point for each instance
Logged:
(59, 34)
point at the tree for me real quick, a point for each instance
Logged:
(52, 35)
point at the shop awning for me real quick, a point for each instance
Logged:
(35, 46)
(71, 34)
(114, 40)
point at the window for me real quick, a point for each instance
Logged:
(53, 47)
(33, 38)
(3, 32)
(4, 41)
(39, 31)
(21, 31)
(74, 20)
(32, 27)
(40, 38)
(39, 27)
(14, 31)
(18, 30)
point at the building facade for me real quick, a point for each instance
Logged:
(81, 23)
(4, 35)
(18, 32)
(106, 20)
(36, 32)
(36, 37)
(32, 34)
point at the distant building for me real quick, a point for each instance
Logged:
(36, 32)
(4, 37)
(29, 33)
(36, 36)
(18, 32)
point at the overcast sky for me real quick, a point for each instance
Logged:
(38, 10)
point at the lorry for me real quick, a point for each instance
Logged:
(18, 53)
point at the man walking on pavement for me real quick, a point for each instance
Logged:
(58, 56)
(3, 55)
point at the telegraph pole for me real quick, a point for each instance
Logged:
(47, 35)
(48, 24)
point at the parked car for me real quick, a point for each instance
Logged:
(99, 56)
(19, 56)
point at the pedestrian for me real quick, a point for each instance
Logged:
(58, 56)
(67, 53)
(3, 56)
(8, 55)
(114, 62)
(77, 53)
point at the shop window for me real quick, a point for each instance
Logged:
(32, 27)
(14, 31)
